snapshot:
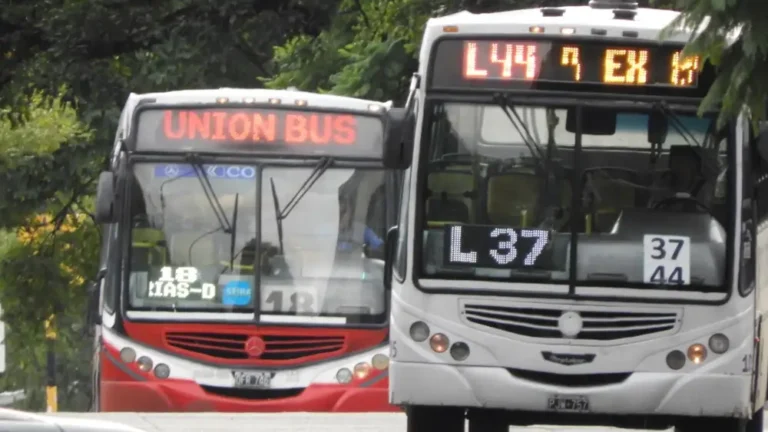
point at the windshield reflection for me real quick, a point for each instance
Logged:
(329, 270)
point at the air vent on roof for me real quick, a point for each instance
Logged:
(613, 4)
(552, 12)
(624, 14)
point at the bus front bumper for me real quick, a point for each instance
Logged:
(187, 396)
(642, 393)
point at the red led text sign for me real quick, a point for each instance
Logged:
(256, 129)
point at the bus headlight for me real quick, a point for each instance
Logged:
(162, 371)
(344, 376)
(380, 361)
(362, 370)
(419, 331)
(697, 353)
(459, 351)
(719, 343)
(439, 343)
(676, 360)
(127, 355)
(145, 363)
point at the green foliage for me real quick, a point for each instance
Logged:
(732, 39)
(48, 122)
(41, 273)
(370, 50)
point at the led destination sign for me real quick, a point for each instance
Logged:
(563, 64)
(260, 130)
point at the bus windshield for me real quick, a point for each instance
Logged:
(215, 250)
(650, 209)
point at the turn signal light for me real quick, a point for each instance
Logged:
(362, 370)
(697, 353)
(439, 343)
(145, 363)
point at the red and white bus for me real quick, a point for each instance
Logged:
(243, 249)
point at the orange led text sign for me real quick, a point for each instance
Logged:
(529, 64)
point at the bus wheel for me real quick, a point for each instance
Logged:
(432, 418)
(755, 424)
(490, 424)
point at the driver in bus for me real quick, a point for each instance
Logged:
(372, 243)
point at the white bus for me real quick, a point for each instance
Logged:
(575, 244)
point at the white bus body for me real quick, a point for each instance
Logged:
(534, 352)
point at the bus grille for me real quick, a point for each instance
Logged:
(598, 324)
(232, 346)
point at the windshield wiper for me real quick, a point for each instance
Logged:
(210, 194)
(277, 215)
(678, 124)
(233, 233)
(214, 202)
(690, 139)
(520, 127)
(313, 177)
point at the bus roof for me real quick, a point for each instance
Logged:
(648, 23)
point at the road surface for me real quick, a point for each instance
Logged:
(209, 422)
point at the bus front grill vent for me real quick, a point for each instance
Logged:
(233, 346)
(597, 324)
(580, 380)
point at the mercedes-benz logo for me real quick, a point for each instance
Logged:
(255, 346)
(570, 324)
(171, 170)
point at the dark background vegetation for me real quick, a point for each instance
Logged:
(67, 67)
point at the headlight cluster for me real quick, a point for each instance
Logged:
(362, 370)
(144, 363)
(439, 342)
(697, 353)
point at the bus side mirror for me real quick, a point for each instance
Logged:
(390, 246)
(105, 198)
(93, 314)
(761, 142)
(398, 142)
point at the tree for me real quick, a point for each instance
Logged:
(731, 38)
(66, 69)
(43, 273)
(102, 50)
(370, 49)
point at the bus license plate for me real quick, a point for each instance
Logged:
(257, 380)
(579, 404)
